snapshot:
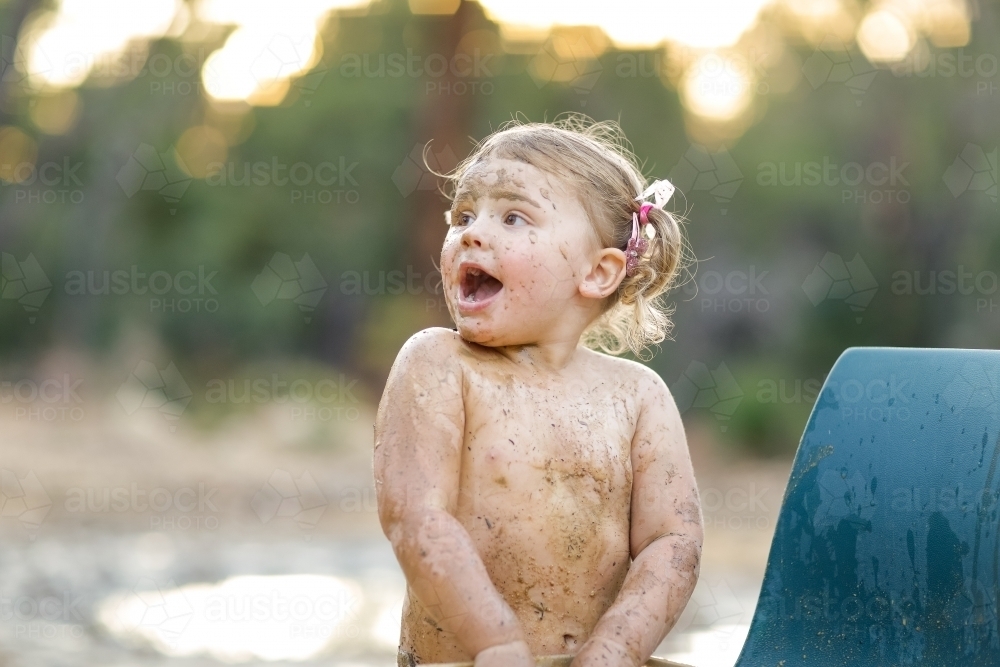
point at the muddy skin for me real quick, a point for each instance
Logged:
(545, 193)
(538, 495)
(481, 182)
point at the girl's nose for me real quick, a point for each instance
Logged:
(476, 235)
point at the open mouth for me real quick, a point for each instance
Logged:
(478, 286)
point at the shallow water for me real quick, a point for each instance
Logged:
(262, 576)
(92, 596)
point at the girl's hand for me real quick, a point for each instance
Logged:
(511, 654)
(601, 652)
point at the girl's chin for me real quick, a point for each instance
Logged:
(477, 332)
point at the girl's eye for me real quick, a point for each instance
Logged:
(461, 219)
(512, 219)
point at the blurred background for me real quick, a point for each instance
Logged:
(218, 224)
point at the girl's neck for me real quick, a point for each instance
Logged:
(547, 357)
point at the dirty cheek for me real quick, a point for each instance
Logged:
(446, 263)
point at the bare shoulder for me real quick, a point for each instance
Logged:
(435, 344)
(434, 351)
(419, 427)
(427, 372)
(646, 381)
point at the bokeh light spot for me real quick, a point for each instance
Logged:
(199, 147)
(885, 36)
(18, 153)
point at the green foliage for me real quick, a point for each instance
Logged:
(373, 120)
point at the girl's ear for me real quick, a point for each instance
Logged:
(605, 276)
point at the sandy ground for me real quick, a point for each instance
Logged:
(268, 493)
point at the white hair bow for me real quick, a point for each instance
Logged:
(661, 190)
(640, 245)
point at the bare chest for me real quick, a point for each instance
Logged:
(556, 442)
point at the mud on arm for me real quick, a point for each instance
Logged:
(665, 539)
(419, 431)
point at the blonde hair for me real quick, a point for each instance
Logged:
(595, 158)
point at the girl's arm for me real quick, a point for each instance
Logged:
(666, 538)
(419, 431)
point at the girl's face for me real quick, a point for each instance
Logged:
(519, 247)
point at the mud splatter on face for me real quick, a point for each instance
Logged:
(500, 184)
(533, 237)
(545, 193)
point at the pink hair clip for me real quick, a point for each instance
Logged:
(639, 245)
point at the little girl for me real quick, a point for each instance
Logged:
(538, 494)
